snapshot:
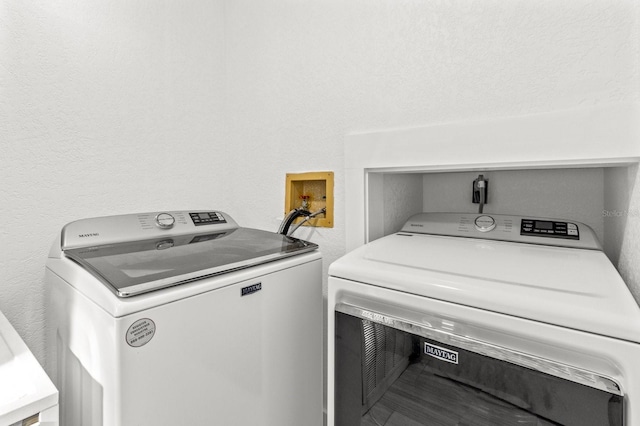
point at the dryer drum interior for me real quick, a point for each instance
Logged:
(387, 376)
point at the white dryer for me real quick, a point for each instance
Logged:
(184, 317)
(464, 319)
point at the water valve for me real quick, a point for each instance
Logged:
(475, 192)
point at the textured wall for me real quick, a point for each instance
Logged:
(629, 264)
(555, 193)
(106, 107)
(116, 106)
(403, 194)
(301, 75)
(629, 218)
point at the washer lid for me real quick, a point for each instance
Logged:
(568, 287)
(137, 253)
(137, 267)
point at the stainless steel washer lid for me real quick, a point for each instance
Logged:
(176, 255)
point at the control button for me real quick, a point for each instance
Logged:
(163, 245)
(485, 223)
(572, 232)
(572, 226)
(165, 220)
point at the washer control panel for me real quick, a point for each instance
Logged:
(206, 218)
(97, 231)
(165, 220)
(549, 228)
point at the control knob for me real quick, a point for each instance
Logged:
(165, 220)
(485, 223)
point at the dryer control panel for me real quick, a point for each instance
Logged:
(520, 229)
(549, 228)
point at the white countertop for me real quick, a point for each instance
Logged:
(25, 389)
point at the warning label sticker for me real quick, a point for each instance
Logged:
(141, 332)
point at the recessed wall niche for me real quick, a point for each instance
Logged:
(577, 164)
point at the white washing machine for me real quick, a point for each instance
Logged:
(464, 319)
(183, 318)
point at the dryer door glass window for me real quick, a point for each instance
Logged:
(386, 376)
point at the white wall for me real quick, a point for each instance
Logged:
(117, 106)
(628, 264)
(575, 194)
(109, 106)
(302, 75)
(626, 223)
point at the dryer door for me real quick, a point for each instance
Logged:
(390, 372)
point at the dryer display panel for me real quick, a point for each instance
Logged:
(548, 228)
(387, 376)
(137, 267)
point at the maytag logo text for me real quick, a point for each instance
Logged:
(440, 353)
(245, 291)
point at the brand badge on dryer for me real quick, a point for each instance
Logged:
(441, 353)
